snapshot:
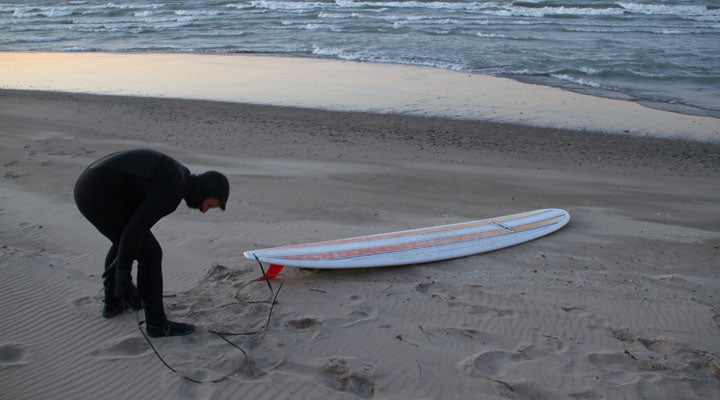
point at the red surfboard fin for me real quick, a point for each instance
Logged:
(273, 271)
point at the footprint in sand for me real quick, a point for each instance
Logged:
(349, 375)
(359, 311)
(580, 312)
(548, 344)
(624, 368)
(90, 306)
(303, 323)
(658, 358)
(362, 314)
(123, 347)
(13, 354)
(304, 329)
(496, 363)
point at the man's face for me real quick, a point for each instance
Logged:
(212, 202)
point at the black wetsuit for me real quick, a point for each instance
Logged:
(123, 195)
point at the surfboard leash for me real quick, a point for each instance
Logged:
(182, 375)
(221, 334)
(272, 305)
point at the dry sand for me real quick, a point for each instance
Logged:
(621, 303)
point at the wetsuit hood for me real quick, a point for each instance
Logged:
(211, 184)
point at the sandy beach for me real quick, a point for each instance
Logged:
(336, 85)
(621, 303)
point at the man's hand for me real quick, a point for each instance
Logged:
(128, 294)
(125, 292)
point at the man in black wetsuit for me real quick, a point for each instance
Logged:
(123, 195)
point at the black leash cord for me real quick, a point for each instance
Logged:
(191, 379)
(272, 306)
(220, 334)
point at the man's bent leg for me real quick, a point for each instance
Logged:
(150, 284)
(150, 280)
(109, 214)
(112, 306)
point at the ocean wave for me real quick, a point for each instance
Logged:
(687, 12)
(590, 70)
(646, 74)
(227, 33)
(289, 5)
(523, 8)
(570, 73)
(650, 30)
(579, 81)
(314, 5)
(51, 13)
(140, 6)
(523, 71)
(338, 15)
(43, 39)
(421, 63)
(327, 51)
(75, 8)
(552, 4)
(72, 49)
(665, 9)
(703, 18)
(316, 27)
(491, 35)
(350, 9)
(150, 19)
(39, 28)
(554, 11)
(515, 9)
(198, 12)
(238, 6)
(145, 13)
(342, 54)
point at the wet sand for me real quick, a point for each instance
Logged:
(343, 86)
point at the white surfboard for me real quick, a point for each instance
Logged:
(416, 245)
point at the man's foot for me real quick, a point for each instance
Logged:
(112, 309)
(169, 328)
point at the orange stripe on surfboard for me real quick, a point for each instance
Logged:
(417, 245)
(413, 232)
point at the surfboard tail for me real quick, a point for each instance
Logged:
(273, 271)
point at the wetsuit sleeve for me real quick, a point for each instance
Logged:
(162, 199)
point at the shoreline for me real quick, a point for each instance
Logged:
(339, 85)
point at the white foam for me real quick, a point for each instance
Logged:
(662, 9)
(590, 70)
(579, 81)
(330, 51)
(197, 12)
(146, 13)
(314, 27)
(285, 5)
(491, 35)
